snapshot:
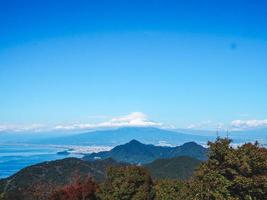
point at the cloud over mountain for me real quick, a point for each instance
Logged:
(135, 119)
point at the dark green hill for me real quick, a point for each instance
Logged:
(179, 167)
(42, 179)
(135, 152)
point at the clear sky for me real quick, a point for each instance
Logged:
(183, 63)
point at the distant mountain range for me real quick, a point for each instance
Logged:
(238, 136)
(113, 137)
(147, 135)
(135, 152)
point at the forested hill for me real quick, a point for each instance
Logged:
(137, 153)
(41, 179)
(181, 167)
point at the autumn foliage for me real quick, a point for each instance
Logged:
(81, 190)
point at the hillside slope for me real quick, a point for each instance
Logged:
(179, 167)
(44, 178)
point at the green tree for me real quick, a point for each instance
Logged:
(167, 189)
(231, 173)
(127, 183)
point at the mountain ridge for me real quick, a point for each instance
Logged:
(112, 137)
(135, 152)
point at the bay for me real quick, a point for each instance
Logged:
(16, 157)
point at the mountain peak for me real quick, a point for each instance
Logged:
(190, 144)
(134, 142)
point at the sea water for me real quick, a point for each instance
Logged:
(15, 157)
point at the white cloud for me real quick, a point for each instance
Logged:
(200, 125)
(249, 124)
(22, 128)
(207, 125)
(135, 119)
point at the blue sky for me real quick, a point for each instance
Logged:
(195, 64)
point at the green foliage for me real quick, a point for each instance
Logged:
(230, 173)
(127, 183)
(209, 186)
(1, 196)
(181, 167)
(168, 189)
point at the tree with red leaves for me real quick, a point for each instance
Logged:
(81, 190)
